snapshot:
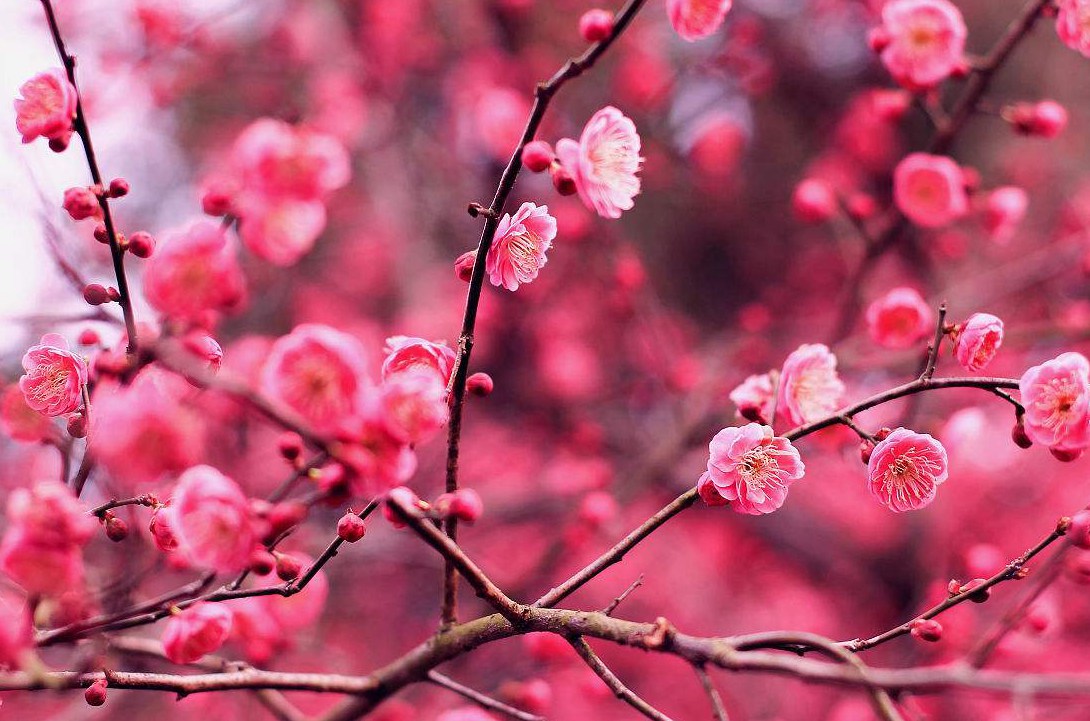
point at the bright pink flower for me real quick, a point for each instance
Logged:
(281, 231)
(900, 318)
(194, 271)
(1004, 209)
(924, 41)
(905, 469)
(415, 402)
(407, 353)
(211, 519)
(752, 468)
(256, 629)
(277, 159)
(318, 372)
(1056, 395)
(755, 398)
(1073, 24)
(604, 162)
(695, 19)
(55, 377)
(47, 108)
(195, 632)
(930, 189)
(978, 340)
(810, 387)
(518, 249)
(16, 640)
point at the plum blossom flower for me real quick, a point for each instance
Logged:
(930, 189)
(318, 372)
(899, 318)
(696, 19)
(751, 468)
(415, 402)
(604, 162)
(283, 231)
(1056, 395)
(55, 377)
(211, 519)
(47, 108)
(978, 340)
(1004, 209)
(195, 632)
(406, 352)
(518, 251)
(810, 387)
(194, 271)
(922, 41)
(905, 469)
(1073, 24)
(755, 397)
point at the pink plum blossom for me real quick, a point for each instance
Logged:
(47, 108)
(55, 377)
(194, 271)
(605, 162)
(518, 250)
(923, 41)
(978, 340)
(318, 372)
(930, 190)
(1004, 209)
(19, 421)
(755, 397)
(810, 387)
(696, 19)
(277, 159)
(196, 632)
(415, 403)
(752, 468)
(211, 519)
(900, 318)
(406, 352)
(1056, 395)
(905, 470)
(1073, 24)
(282, 231)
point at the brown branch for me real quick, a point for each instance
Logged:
(615, 684)
(719, 711)
(608, 610)
(480, 699)
(935, 345)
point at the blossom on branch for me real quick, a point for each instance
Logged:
(55, 377)
(47, 108)
(605, 162)
(1056, 395)
(197, 631)
(978, 340)
(810, 387)
(211, 519)
(518, 250)
(921, 41)
(751, 468)
(195, 272)
(905, 470)
(696, 19)
(900, 318)
(930, 190)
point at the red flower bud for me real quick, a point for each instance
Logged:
(81, 203)
(562, 180)
(596, 25)
(290, 445)
(351, 527)
(95, 695)
(288, 567)
(101, 234)
(537, 156)
(479, 384)
(77, 425)
(141, 244)
(89, 336)
(95, 294)
(262, 562)
(119, 188)
(927, 629)
(116, 529)
(463, 267)
(980, 596)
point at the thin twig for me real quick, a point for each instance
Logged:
(615, 684)
(719, 711)
(608, 610)
(935, 346)
(481, 699)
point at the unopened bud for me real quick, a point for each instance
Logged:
(562, 180)
(927, 629)
(116, 529)
(288, 567)
(351, 528)
(77, 425)
(96, 294)
(119, 188)
(95, 695)
(537, 156)
(141, 244)
(463, 267)
(262, 562)
(480, 384)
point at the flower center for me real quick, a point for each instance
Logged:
(758, 467)
(1058, 398)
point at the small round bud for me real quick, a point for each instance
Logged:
(862, 206)
(878, 39)
(1078, 533)
(262, 562)
(351, 527)
(1019, 435)
(927, 629)
(116, 529)
(562, 180)
(96, 294)
(59, 145)
(1049, 119)
(101, 234)
(89, 336)
(537, 156)
(290, 445)
(596, 25)
(119, 188)
(95, 695)
(77, 425)
(865, 450)
(891, 105)
(113, 294)
(813, 201)
(480, 384)
(463, 267)
(80, 203)
(288, 567)
(404, 496)
(216, 200)
(1065, 456)
(980, 596)
(464, 504)
(141, 244)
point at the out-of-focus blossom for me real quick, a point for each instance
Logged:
(281, 231)
(415, 403)
(279, 160)
(900, 318)
(19, 421)
(47, 108)
(1073, 24)
(755, 398)
(16, 639)
(318, 372)
(211, 519)
(752, 468)
(55, 377)
(1056, 395)
(696, 19)
(408, 353)
(905, 470)
(518, 250)
(930, 189)
(814, 201)
(195, 271)
(604, 162)
(921, 41)
(196, 632)
(1004, 209)
(810, 387)
(978, 340)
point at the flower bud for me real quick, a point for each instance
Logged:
(562, 180)
(95, 294)
(113, 294)
(813, 201)
(161, 530)
(119, 188)
(262, 562)
(980, 596)
(101, 234)
(1064, 455)
(288, 567)
(464, 504)
(596, 25)
(351, 527)
(927, 629)
(77, 425)
(95, 695)
(479, 384)
(216, 200)
(290, 445)
(865, 450)
(1045, 119)
(1019, 435)
(59, 144)
(89, 336)
(141, 244)
(537, 156)
(116, 529)
(1078, 533)
(463, 267)
(81, 203)
(878, 39)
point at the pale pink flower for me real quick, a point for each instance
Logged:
(278, 159)
(930, 189)
(211, 519)
(1073, 24)
(900, 318)
(810, 387)
(196, 631)
(978, 340)
(923, 41)
(47, 108)
(415, 403)
(55, 377)
(1056, 395)
(406, 352)
(755, 397)
(905, 469)
(194, 271)
(280, 231)
(604, 162)
(318, 372)
(696, 19)
(752, 468)
(518, 250)
(47, 527)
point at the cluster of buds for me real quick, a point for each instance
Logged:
(538, 156)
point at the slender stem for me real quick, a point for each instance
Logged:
(719, 711)
(480, 699)
(615, 684)
(608, 610)
(935, 346)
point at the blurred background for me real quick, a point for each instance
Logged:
(612, 369)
